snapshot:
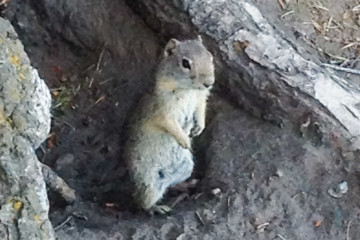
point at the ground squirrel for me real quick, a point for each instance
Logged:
(158, 150)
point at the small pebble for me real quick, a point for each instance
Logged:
(216, 191)
(279, 173)
(339, 191)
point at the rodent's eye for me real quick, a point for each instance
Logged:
(186, 63)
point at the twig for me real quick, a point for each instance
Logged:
(316, 25)
(100, 58)
(348, 70)
(65, 122)
(344, 63)
(199, 218)
(100, 99)
(80, 215)
(322, 8)
(263, 225)
(336, 57)
(106, 80)
(179, 199)
(329, 24)
(78, 88)
(282, 4)
(356, 8)
(63, 223)
(338, 24)
(58, 184)
(281, 237)
(88, 68)
(348, 230)
(353, 63)
(91, 82)
(350, 45)
(287, 13)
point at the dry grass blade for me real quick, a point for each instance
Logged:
(199, 218)
(100, 58)
(348, 230)
(263, 225)
(356, 8)
(329, 24)
(281, 237)
(351, 45)
(63, 223)
(348, 70)
(322, 8)
(287, 13)
(282, 4)
(316, 26)
(337, 57)
(99, 100)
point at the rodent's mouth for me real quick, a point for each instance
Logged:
(204, 88)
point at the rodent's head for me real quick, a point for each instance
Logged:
(186, 65)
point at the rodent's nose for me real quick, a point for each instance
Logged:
(207, 85)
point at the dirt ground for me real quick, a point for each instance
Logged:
(273, 184)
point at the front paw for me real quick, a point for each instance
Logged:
(159, 209)
(185, 142)
(197, 130)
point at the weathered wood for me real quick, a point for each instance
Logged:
(261, 70)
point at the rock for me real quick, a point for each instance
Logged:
(216, 192)
(339, 191)
(24, 123)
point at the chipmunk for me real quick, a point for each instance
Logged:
(158, 150)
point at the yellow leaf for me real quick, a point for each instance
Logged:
(17, 205)
(36, 217)
(14, 60)
(21, 76)
(2, 116)
(55, 93)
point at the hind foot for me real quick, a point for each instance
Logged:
(159, 209)
(184, 187)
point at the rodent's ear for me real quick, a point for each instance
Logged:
(199, 38)
(170, 47)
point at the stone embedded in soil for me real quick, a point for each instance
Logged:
(339, 190)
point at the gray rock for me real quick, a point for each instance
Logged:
(24, 123)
